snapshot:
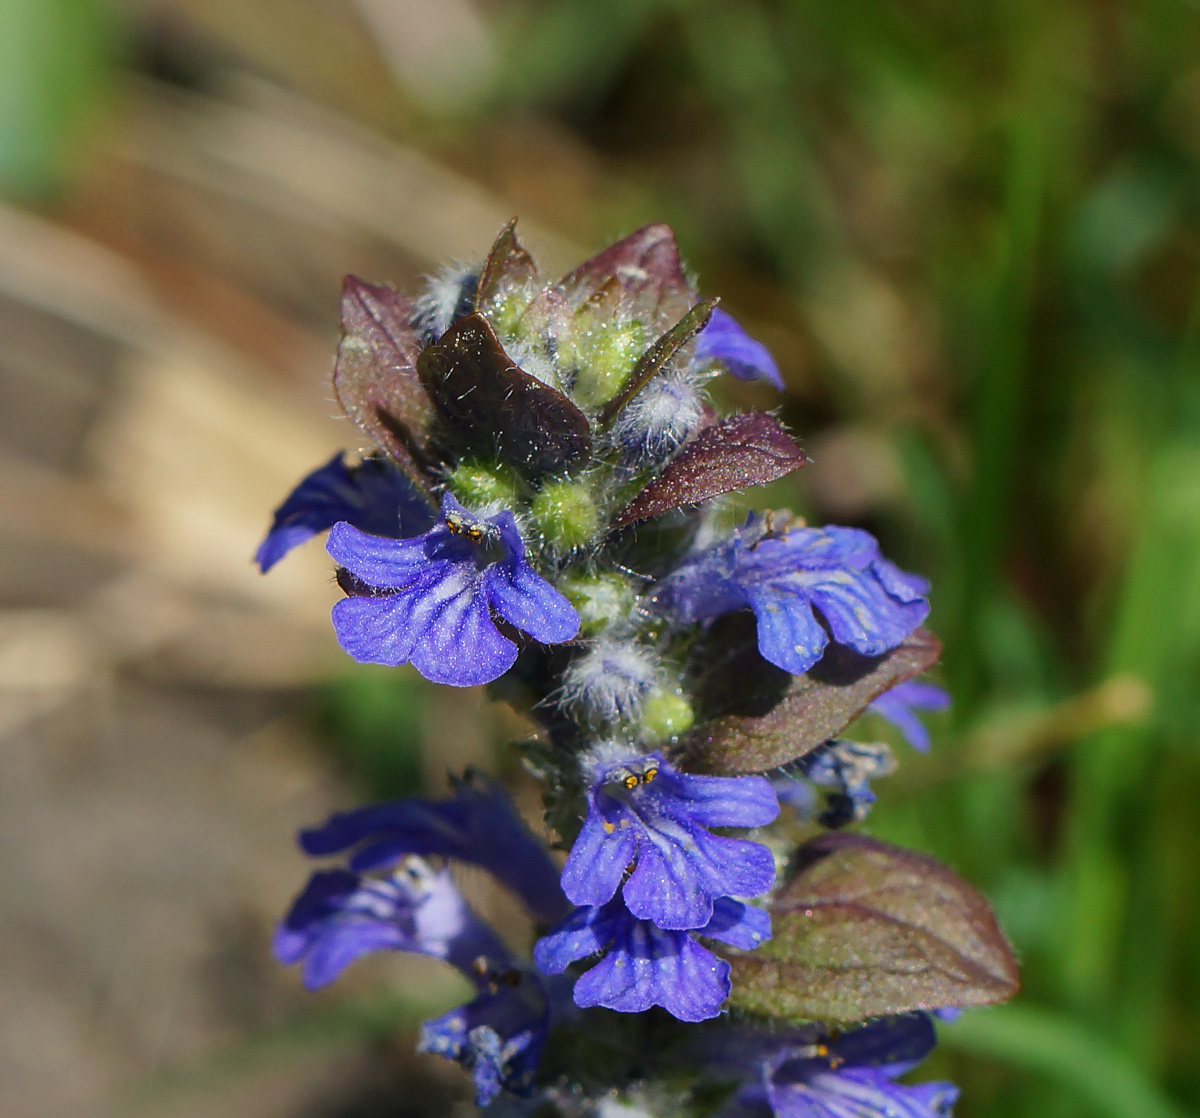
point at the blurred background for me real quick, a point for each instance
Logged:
(969, 232)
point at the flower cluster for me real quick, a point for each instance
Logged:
(540, 506)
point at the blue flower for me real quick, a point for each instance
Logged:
(646, 965)
(725, 341)
(898, 704)
(429, 600)
(498, 1037)
(374, 496)
(645, 813)
(480, 825)
(808, 1073)
(342, 916)
(799, 582)
(847, 767)
(854, 1076)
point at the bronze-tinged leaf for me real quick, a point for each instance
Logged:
(742, 450)
(767, 718)
(488, 405)
(643, 272)
(375, 377)
(655, 359)
(864, 929)
(508, 265)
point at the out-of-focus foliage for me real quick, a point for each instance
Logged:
(971, 233)
(55, 60)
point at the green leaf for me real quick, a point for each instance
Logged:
(781, 717)
(863, 929)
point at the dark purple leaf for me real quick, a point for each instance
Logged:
(375, 377)
(642, 273)
(507, 265)
(765, 717)
(655, 359)
(864, 929)
(742, 450)
(488, 405)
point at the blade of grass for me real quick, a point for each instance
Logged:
(1038, 1040)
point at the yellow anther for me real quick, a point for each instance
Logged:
(630, 781)
(608, 828)
(649, 775)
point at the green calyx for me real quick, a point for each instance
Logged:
(477, 484)
(565, 514)
(598, 599)
(607, 351)
(665, 715)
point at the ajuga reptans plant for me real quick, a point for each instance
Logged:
(537, 507)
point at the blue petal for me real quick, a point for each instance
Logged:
(435, 593)
(648, 967)
(348, 941)
(853, 1092)
(789, 635)
(682, 869)
(382, 562)
(498, 1037)
(374, 496)
(480, 825)
(862, 615)
(657, 824)
(896, 1044)
(340, 917)
(587, 931)
(523, 598)
(867, 603)
(722, 801)
(901, 585)
(740, 925)
(897, 706)
(440, 623)
(723, 339)
(599, 857)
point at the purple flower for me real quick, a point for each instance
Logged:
(373, 496)
(847, 767)
(646, 965)
(854, 1075)
(480, 825)
(498, 1037)
(342, 916)
(809, 1074)
(725, 341)
(645, 813)
(898, 705)
(429, 600)
(800, 583)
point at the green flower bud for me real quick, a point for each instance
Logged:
(476, 484)
(665, 714)
(607, 353)
(598, 599)
(565, 514)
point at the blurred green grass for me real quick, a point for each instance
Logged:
(973, 233)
